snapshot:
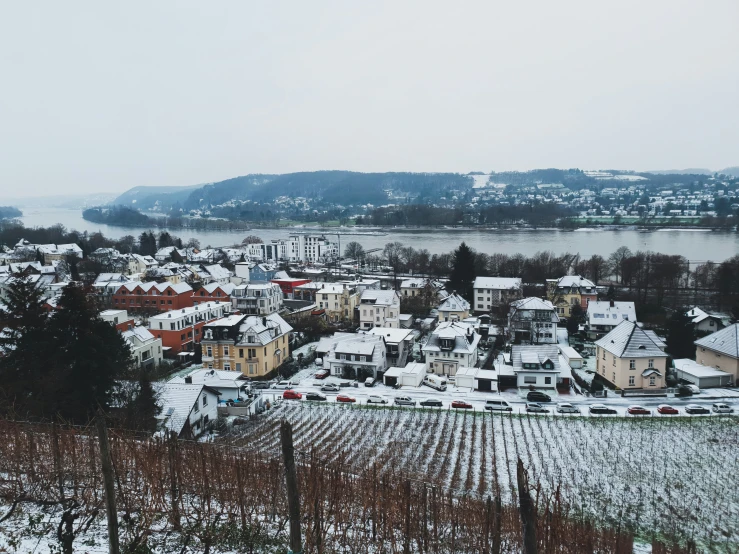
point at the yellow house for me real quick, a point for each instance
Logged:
(720, 350)
(454, 308)
(253, 345)
(570, 290)
(630, 358)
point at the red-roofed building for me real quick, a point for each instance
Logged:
(288, 285)
(213, 292)
(159, 297)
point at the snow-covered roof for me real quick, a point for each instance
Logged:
(605, 312)
(255, 326)
(218, 272)
(215, 378)
(379, 297)
(628, 340)
(138, 334)
(725, 341)
(454, 303)
(500, 283)
(227, 288)
(464, 336)
(537, 355)
(391, 334)
(574, 281)
(177, 401)
(695, 369)
(698, 315)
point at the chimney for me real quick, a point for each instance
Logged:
(612, 304)
(264, 321)
(188, 380)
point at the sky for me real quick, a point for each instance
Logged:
(104, 96)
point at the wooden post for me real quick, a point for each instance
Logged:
(106, 464)
(174, 490)
(57, 460)
(527, 511)
(291, 480)
(498, 523)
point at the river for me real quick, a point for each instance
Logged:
(697, 245)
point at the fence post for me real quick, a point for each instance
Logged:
(527, 511)
(174, 490)
(291, 480)
(407, 541)
(106, 464)
(57, 460)
(498, 523)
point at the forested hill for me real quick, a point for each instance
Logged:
(9, 212)
(334, 187)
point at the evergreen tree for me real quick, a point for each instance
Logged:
(147, 244)
(611, 294)
(463, 272)
(23, 348)
(680, 335)
(577, 316)
(89, 355)
(146, 407)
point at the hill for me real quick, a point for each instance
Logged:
(146, 197)
(688, 171)
(733, 171)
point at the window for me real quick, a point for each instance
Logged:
(227, 367)
(632, 380)
(251, 369)
(205, 420)
(238, 367)
(529, 379)
(614, 359)
(632, 364)
(197, 408)
(210, 352)
(225, 350)
(651, 363)
(614, 377)
(547, 380)
(652, 381)
(604, 354)
(205, 400)
(241, 353)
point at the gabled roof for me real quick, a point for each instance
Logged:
(533, 303)
(454, 303)
(177, 401)
(628, 340)
(138, 334)
(501, 283)
(574, 281)
(535, 354)
(725, 341)
(460, 333)
(227, 288)
(698, 315)
(391, 334)
(600, 312)
(379, 297)
(255, 326)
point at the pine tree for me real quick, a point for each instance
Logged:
(89, 355)
(146, 407)
(463, 275)
(680, 335)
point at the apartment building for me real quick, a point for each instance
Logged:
(533, 320)
(152, 296)
(379, 308)
(181, 329)
(252, 345)
(606, 315)
(398, 344)
(452, 345)
(493, 293)
(257, 298)
(336, 301)
(356, 356)
(146, 349)
(569, 291)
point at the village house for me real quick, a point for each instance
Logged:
(187, 410)
(605, 315)
(454, 308)
(379, 308)
(146, 349)
(537, 367)
(720, 350)
(422, 287)
(230, 384)
(569, 291)
(492, 293)
(398, 343)
(356, 356)
(533, 320)
(703, 322)
(451, 345)
(337, 301)
(251, 345)
(213, 292)
(257, 298)
(629, 358)
(181, 329)
(118, 319)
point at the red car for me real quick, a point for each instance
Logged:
(666, 409)
(638, 410)
(321, 373)
(461, 404)
(345, 398)
(291, 395)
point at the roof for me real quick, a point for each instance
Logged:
(574, 281)
(695, 369)
(213, 378)
(628, 340)
(218, 272)
(533, 303)
(698, 315)
(227, 287)
(454, 303)
(362, 346)
(391, 334)
(570, 353)
(503, 283)
(411, 368)
(535, 354)
(177, 401)
(725, 341)
(254, 326)
(600, 312)
(420, 282)
(456, 331)
(379, 297)
(138, 333)
(226, 321)
(656, 339)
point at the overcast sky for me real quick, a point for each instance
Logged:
(104, 96)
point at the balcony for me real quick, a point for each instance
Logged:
(207, 358)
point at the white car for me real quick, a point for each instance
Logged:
(722, 409)
(694, 389)
(376, 399)
(282, 385)
(567, 408)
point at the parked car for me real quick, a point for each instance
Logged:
(322, 374)
(695, 389)
(498, 406)
(290, 394)
(376, 399)
(536, 408)
(330, 387)
(638, 410)
(315, 396)
(666, 409)
(567, 408)
(601, 409)
(282, 385)
(431, 403)
(722, 409)
(461, 404)
(369, 382)
(260, 385)
(345, 398)
(404, 401)
(695, 409)
(538, 396)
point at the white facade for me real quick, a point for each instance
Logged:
(257, 298)
(492, 292)
(146, 349)
(311, 249)
(379, 308)
(356, 351)
(177, 320)
(452, 345)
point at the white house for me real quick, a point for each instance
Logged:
(411, 375)
(533, 320)
(186, 409)
(454, 308)
(146, 349)
(606, 315)
(494, 292)
(362, 353)
(398, 342)
(536, 367)
(379, 308)
(257, 298)
(452, 345)
(705, 322)
(229, 384)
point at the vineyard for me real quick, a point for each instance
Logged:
(651, 476)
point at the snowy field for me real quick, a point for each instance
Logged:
(652, 475)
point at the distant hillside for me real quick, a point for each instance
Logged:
(733, 171)
(146, 197)
(9, 212)
(688, 171)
